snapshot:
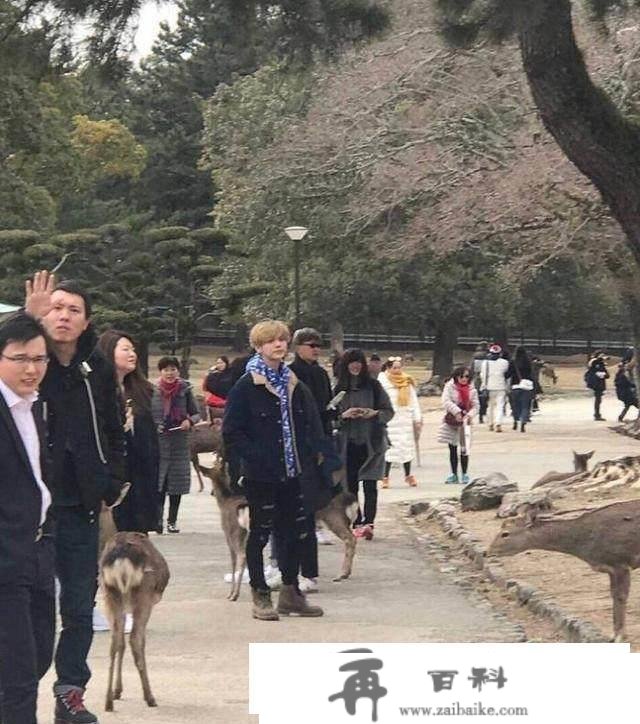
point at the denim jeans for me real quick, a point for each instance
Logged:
(77, 571)
(521, 404)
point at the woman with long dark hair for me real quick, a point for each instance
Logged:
(521, 375)
(363, 414)
(137, 512)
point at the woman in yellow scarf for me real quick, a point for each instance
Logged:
(404, 428)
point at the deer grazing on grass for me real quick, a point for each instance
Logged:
(134, 575)
(338, 515)
(607, 538)
(580, 465)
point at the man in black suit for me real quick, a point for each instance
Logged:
(27, 592)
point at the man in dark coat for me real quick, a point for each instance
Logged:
(270, 425)
(596, 378)
(307, 344)
(27, 591)
(87, 447)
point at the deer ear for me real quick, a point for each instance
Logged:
(589, 454)
(529, 512)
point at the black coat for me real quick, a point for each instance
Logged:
(597, 382)
(20, 497)
(625, 388)
(317, 380)
(85, 436)
(252, 427)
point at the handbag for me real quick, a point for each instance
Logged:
(450, 419)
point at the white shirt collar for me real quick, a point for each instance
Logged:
(12, 398)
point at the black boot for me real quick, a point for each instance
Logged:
(515, 424)
(70, 708)
(522, 427)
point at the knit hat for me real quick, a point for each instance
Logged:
(306, 335)
(495, 349)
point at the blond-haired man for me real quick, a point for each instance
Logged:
(270, 424)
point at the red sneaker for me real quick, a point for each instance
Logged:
(367, 532)
(358, 532)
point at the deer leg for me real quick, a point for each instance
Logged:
(233, 554)
(117, 648)
(338, 523)
(196, 462)
(118, 631)
(242, 564)
(137, 640)
(619, 581)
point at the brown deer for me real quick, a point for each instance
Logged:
(338, 515)
(607, 538)
(204, 437)
(580, 465)
(234, 518)
(134, 575)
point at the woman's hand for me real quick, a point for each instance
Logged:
(185, 424)
(368, 413)
(459, 416)
(351, 413)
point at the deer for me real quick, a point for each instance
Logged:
(607, 538)
(338, 515)
(134, 575)
(234, 519)
(204, 437)
(580, 465)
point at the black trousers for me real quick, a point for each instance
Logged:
(27, 632)
(275, 507)
(356, 456)
(309, 550)
(597, 400)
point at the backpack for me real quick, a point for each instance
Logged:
(590, 378)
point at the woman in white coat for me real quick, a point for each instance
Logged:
(460, 403)
(404, 427)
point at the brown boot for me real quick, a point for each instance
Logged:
(292, 601)
(411, 481)
(262, 606)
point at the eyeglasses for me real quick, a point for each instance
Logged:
(23, 359)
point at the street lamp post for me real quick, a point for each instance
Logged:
(296, 234)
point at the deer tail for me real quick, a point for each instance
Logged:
(123, 568)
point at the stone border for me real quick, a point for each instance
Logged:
(539, 603)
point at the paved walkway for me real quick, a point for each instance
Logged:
(197, 643)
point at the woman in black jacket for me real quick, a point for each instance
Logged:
(521, 375)
(138, 510)
(596, 378)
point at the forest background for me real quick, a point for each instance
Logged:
(413, 138)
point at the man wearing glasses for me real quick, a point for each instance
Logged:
(27, 591)
(87, 444)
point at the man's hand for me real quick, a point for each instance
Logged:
(38, 294)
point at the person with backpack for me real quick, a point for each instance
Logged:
(596, 378)
(625, 389)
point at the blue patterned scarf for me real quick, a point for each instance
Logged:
(279, 380)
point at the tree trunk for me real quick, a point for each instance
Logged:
(336, 330)
(240, 338)
(584, 122)
(444, 344)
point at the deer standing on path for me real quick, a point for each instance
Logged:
(134, 575)
(607, 538)
(338, 515)
(580, 465)
(203, 438)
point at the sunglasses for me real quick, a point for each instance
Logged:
(313, 345)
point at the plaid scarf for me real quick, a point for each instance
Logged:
(279, 380)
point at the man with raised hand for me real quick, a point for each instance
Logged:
(27, 591)
(87, 447)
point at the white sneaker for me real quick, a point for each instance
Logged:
(245, 576)
(323, 538)
(275, 581)
(308, 585)
(270, 570)
(128, 622)
(100, 622)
